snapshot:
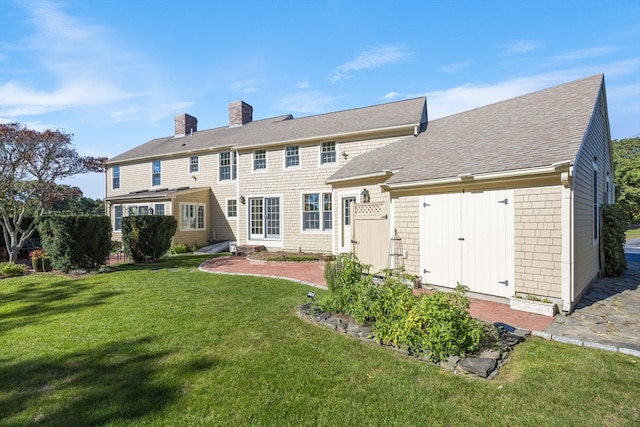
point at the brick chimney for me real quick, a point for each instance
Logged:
(185, 124)
(240, 113)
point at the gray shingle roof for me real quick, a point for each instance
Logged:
(284, 129)
(534, 130)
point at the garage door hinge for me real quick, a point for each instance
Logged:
(506, 283)
(425, 204)
(355, 242)
(505, 201)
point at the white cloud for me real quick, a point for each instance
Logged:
(369, 59)
(584, 53)
(246, 86)
(307, 102)
(391, 95)
(454, 68)
(520, 46)
(303, 85)
(73, 64)
(468, 96)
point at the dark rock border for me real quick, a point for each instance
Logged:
(485, 364)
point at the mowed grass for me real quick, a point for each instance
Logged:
(168, 345)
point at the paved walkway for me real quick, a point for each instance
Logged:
(608, 316)
(312, 273)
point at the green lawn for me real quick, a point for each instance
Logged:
(634, 233)
(169, 345)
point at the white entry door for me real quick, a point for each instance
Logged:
(346, 218)
(468, 238)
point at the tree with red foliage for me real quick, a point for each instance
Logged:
(30, 164)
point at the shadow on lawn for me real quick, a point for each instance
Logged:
(116, 381)
(36, 301)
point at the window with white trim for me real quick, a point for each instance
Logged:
(317, 211)
(117, 218)
(264, 218)
(158, 209)
(292, 156)
(232, 208)
(227, 168)
(259, 160)
(328, 152)
(192, 216)
(155, 173)
(115, 178)
(194, 164)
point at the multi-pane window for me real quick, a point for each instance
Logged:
(191, 216)
(159, 209)
(227, 165)
(327, 212)
(117, 217)
(232, 208)
(264, 217)
(259, 160)
(292, 156)
(155, 173)
(138, 210)
(317, 211)
(328, 152)
(116, 177)
(194, 164)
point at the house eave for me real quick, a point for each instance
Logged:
(519, 174)
(381, 174)
(172, 154)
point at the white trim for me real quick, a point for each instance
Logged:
(522, 173)
(189, 165)
(336, 151)
(253, 161)
(383, 173)
(567, 282)
(226, 208)
(321, 212)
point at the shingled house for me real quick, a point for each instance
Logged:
(505, 198)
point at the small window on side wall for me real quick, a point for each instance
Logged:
(232, 208)
(116, 178)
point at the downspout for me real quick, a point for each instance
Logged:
(567, 241)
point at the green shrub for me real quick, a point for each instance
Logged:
(440, 323)
(11, 269)
(613, 229)
(147, 237)
(76, 241)
(437, 323)
(180, 248)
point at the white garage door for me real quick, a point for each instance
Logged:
(468, 238)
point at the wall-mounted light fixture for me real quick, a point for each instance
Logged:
(345, 155)
(364, 196)
(242, 200)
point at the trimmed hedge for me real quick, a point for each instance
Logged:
(147, 237)
(613, 229)
(75, 241)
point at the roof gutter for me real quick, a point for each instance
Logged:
(469, 177)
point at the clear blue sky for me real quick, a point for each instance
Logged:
(114, 73)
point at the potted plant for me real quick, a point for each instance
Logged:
(40, 260)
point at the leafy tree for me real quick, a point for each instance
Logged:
(626, 159)
(30, 164)
(72, 202)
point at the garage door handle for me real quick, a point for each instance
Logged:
(355, 242)
(460, 238)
